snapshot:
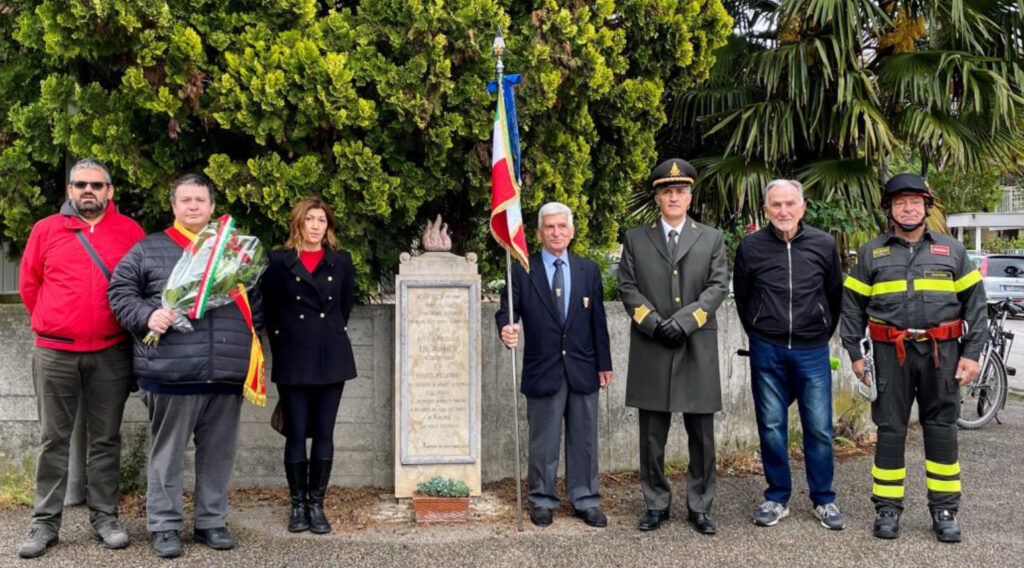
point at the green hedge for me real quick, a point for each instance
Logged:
(377, 105)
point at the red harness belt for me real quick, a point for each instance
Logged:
(889, 334)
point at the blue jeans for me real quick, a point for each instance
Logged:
(778, 377)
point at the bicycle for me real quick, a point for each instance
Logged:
(983, 398)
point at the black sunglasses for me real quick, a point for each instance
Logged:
(97, 185)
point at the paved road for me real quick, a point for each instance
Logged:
(992, 461)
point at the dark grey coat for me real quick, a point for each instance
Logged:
(689, 289)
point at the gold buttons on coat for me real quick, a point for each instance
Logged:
(299, 298)
(321, 314)
(297, 279)
(675, 273)
(563, 352)
(330, 297)
(302, 316)
(677, 300)
(330, 278)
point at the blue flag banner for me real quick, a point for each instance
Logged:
(508, 83)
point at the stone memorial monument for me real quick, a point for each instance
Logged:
(437, 366)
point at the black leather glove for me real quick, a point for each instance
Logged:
(670, 333)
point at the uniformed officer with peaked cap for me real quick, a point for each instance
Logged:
(672, 278)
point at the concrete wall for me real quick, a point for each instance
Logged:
(364, 433)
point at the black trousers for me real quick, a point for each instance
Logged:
(700, 476)
(309, 412)
(938, 401)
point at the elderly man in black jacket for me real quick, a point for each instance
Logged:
(192, 382)
(788, 286)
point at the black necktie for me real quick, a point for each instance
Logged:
(672, 243)
(559, 288)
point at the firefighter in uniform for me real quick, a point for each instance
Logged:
(923, 304)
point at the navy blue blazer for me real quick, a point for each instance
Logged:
(554, 353)
(307, 318)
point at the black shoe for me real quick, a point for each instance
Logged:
(216, 538)
(167, 544)
(702, 522)
(593, 517)
(887, 524)
(945, 526)
(319, 477)
(541, 516)
(297, 474)
(652, 519)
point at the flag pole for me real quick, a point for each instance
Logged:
(499, 68)
(515, 401)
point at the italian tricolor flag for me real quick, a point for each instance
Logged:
(506, 213)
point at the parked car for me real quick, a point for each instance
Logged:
(977, 257)
(1003, 276)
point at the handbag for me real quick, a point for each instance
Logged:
(277, 418)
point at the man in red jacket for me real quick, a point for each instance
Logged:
(81, 352)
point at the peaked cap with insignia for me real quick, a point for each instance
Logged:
(672, 172)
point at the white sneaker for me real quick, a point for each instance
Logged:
(770, 513)
(830, 516)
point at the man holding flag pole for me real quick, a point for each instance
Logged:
(567, 358)
(506, 213)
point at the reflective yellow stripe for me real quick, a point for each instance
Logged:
(892, 491)
(943, 485)
(970, 279)
(889, 474)
(857, 286)
(947, 469)
(934, 285)
(890, 287)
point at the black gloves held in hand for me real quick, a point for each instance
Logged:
(670, 333)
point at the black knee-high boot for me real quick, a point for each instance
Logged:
(297, 474)
(319, 477)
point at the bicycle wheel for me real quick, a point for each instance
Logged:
(982, 398)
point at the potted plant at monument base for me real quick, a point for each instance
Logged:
(441, 500)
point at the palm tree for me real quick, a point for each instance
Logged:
(828, 91)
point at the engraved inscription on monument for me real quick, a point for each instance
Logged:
(438, 398)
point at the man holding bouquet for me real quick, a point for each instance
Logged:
(192, 381)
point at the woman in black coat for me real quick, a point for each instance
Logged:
(309, 290)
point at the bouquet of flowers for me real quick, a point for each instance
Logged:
(215, 270)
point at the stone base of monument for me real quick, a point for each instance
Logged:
(440, 509)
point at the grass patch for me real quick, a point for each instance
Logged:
(17, 482)
(676, 467)
(739, 457)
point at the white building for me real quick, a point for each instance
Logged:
(1006, 221)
